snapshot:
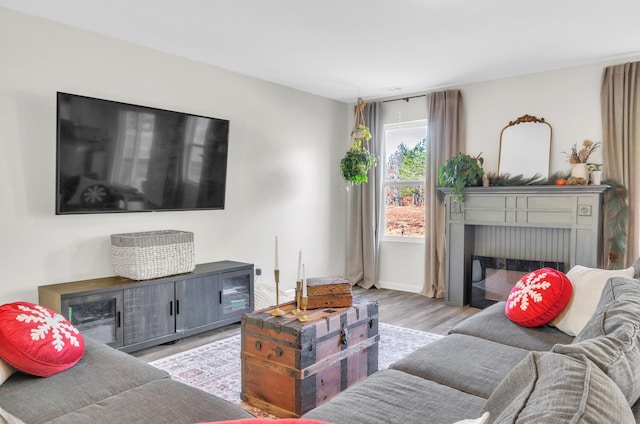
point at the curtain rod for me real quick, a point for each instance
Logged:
(406, 99)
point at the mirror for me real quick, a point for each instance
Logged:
(525, 147)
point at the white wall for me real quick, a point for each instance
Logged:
(282, 178)
(568, 99)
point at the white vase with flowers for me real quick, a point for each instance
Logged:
(578, 158)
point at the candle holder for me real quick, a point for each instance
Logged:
(304, 317)
(298, 311)
(277, 312)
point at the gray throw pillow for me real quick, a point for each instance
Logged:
(617, 354)
(547, 387)
(619, 303)
(611, 338)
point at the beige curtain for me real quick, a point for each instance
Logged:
(445, 138)
(621, 143)
(364, 211)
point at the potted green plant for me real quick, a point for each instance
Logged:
(460, 172)
(358, 160)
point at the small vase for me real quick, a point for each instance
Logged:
(579, 170)
(596, 177)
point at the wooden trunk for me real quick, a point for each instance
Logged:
(290, 367)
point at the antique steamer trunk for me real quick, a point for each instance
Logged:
(290, 367)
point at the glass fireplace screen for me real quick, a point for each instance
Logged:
(492, 278)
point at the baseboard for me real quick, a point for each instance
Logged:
(392, 285)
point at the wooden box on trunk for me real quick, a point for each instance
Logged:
(290, 367)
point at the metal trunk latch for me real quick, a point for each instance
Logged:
(344, 335)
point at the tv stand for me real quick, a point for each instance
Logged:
(132, 315)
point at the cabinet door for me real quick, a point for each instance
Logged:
(196, 302)
(236, 293)
(149, 312)
(96, 315)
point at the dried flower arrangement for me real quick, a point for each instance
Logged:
(582, 155)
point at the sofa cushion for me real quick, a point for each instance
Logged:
(617, 354)
(440, 361)
(587, 288)
(538, 297)
(492, 324)
(159, 401)
(37, 340)
(392, 396)
(101, 373)
(533, 393)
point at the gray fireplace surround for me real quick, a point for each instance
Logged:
(538, 223)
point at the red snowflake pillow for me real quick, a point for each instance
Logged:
(36, 340)
(538, 297)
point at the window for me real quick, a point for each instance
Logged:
(404, 151)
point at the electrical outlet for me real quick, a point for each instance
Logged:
(258, 271)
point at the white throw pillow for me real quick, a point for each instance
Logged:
(482, 420)
(587, 288)
(5, 371)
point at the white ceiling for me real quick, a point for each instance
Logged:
(344, 49)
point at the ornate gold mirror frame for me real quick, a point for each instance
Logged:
(525, 148)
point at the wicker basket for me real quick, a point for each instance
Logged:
(152, 254)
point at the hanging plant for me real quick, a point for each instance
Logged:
(358, 160)
(460, 172)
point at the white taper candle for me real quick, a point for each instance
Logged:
(304, 282)
(299, 265)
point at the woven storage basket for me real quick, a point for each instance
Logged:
(152, 254)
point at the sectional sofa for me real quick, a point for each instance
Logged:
(491, 370)
(109, 386)
(488, 369)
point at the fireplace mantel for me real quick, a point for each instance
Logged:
(558, 223)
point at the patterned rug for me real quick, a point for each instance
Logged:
(215, 367)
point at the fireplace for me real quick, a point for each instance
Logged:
(492, 278)
(544, 224)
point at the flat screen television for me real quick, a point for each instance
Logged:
(119, 157)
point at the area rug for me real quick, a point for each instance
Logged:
(215, 367)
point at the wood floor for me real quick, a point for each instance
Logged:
(394, 307)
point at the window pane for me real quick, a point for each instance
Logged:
(404, 205)
(405, 153)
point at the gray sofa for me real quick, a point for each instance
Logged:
(488, 364)
(109, 386)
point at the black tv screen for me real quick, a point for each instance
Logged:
(119, 157)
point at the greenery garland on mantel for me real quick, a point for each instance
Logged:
(615, 203)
